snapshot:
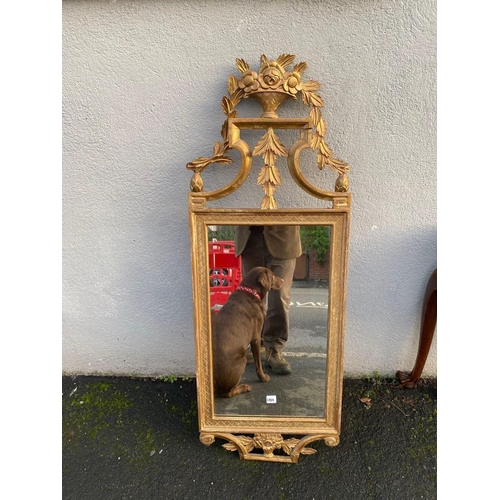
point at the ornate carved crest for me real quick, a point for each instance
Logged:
(271, 85)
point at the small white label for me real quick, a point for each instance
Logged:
(270, 399)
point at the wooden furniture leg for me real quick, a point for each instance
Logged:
(428, 326)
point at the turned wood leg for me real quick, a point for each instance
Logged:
(427, 328)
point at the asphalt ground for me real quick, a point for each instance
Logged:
(126, 438)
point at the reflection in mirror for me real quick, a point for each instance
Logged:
(300, 393)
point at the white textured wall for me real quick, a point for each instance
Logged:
(142, 84)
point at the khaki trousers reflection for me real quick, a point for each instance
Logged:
(277, 323)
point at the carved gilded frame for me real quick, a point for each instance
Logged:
(268, 432)
(226, 427)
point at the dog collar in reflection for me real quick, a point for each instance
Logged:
(249, 290)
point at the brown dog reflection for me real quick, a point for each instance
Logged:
(237, 324)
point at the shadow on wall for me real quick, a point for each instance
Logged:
(386, 285)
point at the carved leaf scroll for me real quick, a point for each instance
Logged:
(269, 146)
(285, 60)
(232, 85)
(300, 68)
(242, 65)
(218, 157)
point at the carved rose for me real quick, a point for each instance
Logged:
(268, 442)
(292, 83)
(248, 81)
(271, 75)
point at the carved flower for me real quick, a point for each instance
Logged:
(271, 75)
(268, 447)
(292, 82)
(248, 81)
(268, 442)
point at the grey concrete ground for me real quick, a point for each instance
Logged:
(126, 438)
(301, 394)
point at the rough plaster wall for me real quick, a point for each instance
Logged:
(142, 84)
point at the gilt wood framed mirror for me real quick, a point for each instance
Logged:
(286, 409)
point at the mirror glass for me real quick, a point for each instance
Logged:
(302, 392)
